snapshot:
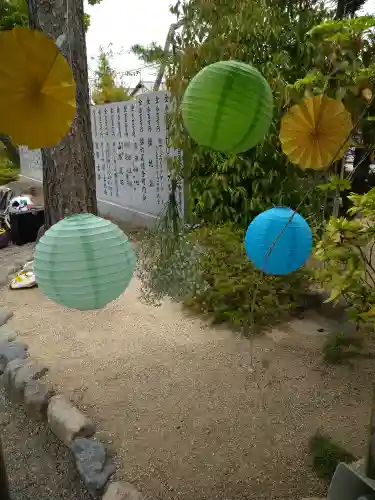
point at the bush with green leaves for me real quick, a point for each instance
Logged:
(233, 290)
(8, 171)
(207, 269)
(326, 454)
(341, 349)
(346, 254)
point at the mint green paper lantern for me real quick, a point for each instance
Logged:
(84, 262)
(228, 107)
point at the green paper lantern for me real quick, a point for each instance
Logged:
(84, 262)
(228, 107)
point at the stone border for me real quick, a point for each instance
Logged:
(24, 382)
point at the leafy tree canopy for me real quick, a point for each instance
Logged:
(348, 8)
(270, 35)
(149, 54)
(13, 13)
(105, 89)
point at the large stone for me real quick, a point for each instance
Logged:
(37, 395)
(7, 334)
(10, 372)
(92, 463)
(5, 315)
(32, 370)
(10, 351)
(122, 491)
(67, 422)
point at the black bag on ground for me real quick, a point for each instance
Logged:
(25, 225)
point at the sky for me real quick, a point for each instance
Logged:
(127, 22)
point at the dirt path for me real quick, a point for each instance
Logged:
(195, 412)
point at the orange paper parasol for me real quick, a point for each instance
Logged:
(313, 133)
(37, 89)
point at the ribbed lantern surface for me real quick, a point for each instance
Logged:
(292, 248)
(84, 262)
(228, 106)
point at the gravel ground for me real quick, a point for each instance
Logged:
(39, 467)
(197, 412)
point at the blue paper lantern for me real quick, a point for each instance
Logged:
(292, 248)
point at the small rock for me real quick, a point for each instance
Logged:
(122, 491)
(10, 351)
(36, 396)
(5, 315)
(67, 422)
(31, 370)
(7, 334)
(91, 462)
(10, 373)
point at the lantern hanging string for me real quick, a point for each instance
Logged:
(309, 191)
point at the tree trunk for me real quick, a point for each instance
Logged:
(69, 167)
(348, 8)
(11, 150)
(341, 9)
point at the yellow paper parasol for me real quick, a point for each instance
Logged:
(37, 89)
(312, 133)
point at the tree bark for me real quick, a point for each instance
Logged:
(69, 167)
(348, 8)
(340, 8)
(12, 150)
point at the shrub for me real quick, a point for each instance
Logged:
(209, 272)
(8, 173)
(325, 455)
(231, 290)
(346, 252)
(8, 170)
(340, 349)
